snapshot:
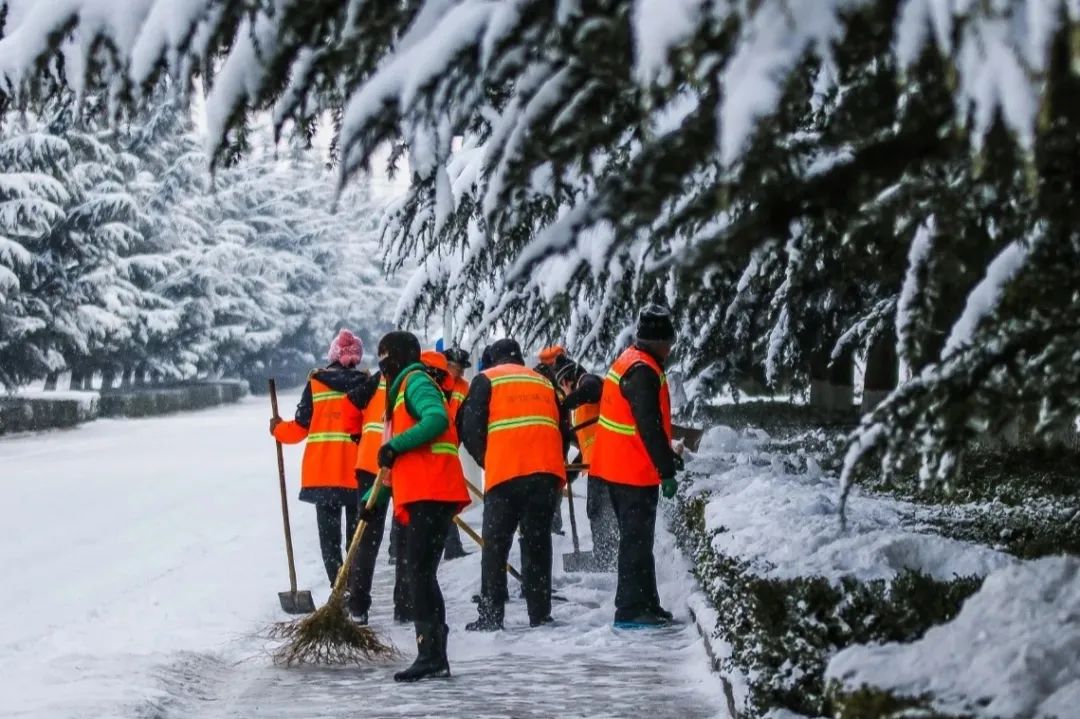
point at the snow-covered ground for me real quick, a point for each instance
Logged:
(141, 559)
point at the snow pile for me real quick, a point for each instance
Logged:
(785, 524)
(86, 401)
(1012, 651)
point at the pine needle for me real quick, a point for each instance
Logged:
(330, 637)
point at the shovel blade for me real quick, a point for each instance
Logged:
(581, 562)
(298, 602)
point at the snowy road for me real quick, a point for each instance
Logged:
(141, 559)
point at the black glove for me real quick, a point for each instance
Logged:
(387, 455)
(354, 438)
(367, 514)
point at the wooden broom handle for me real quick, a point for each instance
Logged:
(284, 492)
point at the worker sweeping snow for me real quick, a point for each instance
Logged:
(330, 424)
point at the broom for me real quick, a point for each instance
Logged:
(329, 636)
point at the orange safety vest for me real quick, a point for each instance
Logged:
(428, 473)
(586, 436)
(619, 455)
(523, 435)
(371, 437)
(330, 452)
(457, 397)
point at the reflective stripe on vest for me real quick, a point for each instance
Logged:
(367, 454)
(431, 472)
(618, 454)
(523, 426)
(589, 416)
(330, 455)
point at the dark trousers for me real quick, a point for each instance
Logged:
(362, 573)
(425, 538)
(527, 501)
(328, 518)
(604, 524)
(635, 509)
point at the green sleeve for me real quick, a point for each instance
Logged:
(425, 403)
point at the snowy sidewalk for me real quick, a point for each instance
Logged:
(146, 556)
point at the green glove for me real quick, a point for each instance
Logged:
(668, 487)
(382, 500)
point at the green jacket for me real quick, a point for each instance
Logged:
(425, 402)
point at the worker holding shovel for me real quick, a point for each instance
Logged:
(329, 423)
(428, 491)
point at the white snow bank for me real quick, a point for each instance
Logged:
(1012, 651)
(86, 400)
(786, 524)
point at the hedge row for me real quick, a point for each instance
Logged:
(783, 631)
(34, 414)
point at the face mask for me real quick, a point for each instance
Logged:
(388, 367)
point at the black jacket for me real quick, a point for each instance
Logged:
(641, 388)
(472, 417)
(337, 378)
(361, 394)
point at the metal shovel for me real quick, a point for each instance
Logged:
(293, 601)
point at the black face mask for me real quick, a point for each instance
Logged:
(389, 368)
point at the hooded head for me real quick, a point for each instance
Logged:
(346, 349)
(505, 351)
(567, 372)
(397, 350)
(438, 368)
(550, 355)
(655, 331)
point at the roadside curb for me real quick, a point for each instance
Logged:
(699, 609)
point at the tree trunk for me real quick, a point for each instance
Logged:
(76, 380)
(50, 381)
(108, 378)
(882, 372)
(88, 381)
(140, 376)
(127, 377)
(820, 398)
(842, 383)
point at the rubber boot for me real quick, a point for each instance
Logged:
(490, 617)
(431, 660)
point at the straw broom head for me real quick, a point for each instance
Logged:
(328, 636)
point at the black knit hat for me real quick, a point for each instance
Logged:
(505, 351)
(458, 356)
(655, 325)
(567, 371)
(401, 349)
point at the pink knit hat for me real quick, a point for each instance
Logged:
(346, 349)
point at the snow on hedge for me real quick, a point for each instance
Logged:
(1012, 651)
(786, 524)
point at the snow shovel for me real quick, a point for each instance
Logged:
(293, 601)
(577, 561)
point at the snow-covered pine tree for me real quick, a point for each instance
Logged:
(614, 151)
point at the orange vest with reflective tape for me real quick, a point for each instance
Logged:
(330, 453)
(371, 437)
(586, 436)
(523, 435)
(457, 396)
(619, 455)
(431, 472)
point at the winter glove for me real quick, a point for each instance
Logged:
(387, 455)
(354, 438)
(668, 486)
(274, 422)
(380, 501)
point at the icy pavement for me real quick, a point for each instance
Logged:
(141, 559)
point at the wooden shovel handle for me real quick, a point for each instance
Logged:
(284, 493)
(480, 540)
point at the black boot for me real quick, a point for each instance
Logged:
(490, 617)
(430, 655)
